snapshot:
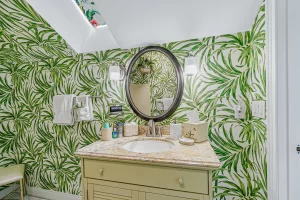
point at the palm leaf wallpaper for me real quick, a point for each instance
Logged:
(36, 63)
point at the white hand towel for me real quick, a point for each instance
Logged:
(85, 110)
(63, 109)
(159, 105)
(167, 102)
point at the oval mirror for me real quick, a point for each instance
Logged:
(154, 83)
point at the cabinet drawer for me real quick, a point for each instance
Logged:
(155, 176)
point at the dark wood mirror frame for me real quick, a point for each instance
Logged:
(180, 83)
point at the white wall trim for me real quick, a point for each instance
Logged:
(51, 195)
(271, 101)
(277, 100)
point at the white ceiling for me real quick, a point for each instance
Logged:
(136, 23)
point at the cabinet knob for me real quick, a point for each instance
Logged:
(180, 181)
(100, 171)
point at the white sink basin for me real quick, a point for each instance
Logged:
(148, 146)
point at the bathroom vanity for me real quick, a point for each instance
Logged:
(153, 167)
(110, 172)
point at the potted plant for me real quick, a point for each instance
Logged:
(145, 65)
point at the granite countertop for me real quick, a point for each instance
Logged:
(200, 155)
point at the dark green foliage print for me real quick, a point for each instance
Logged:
(36, 64)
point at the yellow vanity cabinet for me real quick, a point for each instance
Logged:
(111, 180)
(107, 190)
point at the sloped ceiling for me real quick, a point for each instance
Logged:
(136, 23)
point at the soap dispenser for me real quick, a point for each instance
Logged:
(175, 130)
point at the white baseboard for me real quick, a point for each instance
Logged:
(51, 195)
(8, 190)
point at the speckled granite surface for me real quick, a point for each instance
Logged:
(199, 155)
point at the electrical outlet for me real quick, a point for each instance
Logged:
(258, 109)
(240, 111)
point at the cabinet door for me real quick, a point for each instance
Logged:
(107, 190)
(102, 192)
(152, 196)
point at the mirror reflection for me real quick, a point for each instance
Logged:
(153, 83)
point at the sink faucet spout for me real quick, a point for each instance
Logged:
(151, 129)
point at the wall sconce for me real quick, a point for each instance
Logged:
(116, 72)
(190, 65)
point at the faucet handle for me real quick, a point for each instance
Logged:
(157, 131)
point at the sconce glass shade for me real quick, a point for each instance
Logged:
(117, 72)
(114, 73)
(190, 66)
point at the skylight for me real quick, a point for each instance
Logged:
(88, 7)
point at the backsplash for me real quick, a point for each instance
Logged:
(36, 63)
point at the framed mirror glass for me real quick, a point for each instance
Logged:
(154, 83)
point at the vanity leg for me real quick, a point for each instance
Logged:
(84, 185)
(21, 189)
(210, 185)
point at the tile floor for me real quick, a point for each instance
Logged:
(16, 196)
(32, 198)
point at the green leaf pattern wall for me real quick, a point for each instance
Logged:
(36, 63)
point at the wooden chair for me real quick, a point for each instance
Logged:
(13, 174)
